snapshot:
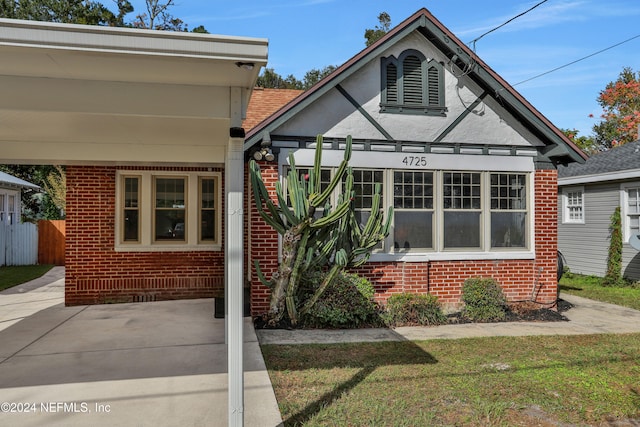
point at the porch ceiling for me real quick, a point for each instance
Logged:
(96, 95)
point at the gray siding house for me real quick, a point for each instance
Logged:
(588, 195)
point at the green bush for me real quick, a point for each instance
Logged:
(483, 299)
(413, 309)
(346, 303)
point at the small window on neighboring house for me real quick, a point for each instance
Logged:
(3, 212)
(573, 205)
(412, 84)
(631, 212)
(12, 214)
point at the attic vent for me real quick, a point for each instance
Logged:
(392, 83)
(412, 80)
(433, 77)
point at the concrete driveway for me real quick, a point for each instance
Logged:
(143, 364)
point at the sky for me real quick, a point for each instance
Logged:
(308, 34)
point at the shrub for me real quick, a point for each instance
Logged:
(613, 277)
(346, 303)
(413, 309)
(483, 299)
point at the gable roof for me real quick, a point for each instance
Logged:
(558, 147)
(621, 162)
(7, 180)
(266, 101)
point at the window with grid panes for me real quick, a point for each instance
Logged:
(508, 210)
(364, 185)
(413, 210)
(574, 206)
(207, 195)
(462, 209)
(633, 211)
(170, 208)
(131, 217)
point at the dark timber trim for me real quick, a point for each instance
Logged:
(364, 113)
(461, 117)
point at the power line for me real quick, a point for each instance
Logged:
(473, 42)
(578, 60)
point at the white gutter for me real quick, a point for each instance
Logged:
(610, 176)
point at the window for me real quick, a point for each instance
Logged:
(413, 210)
(3, 213)
(462, 209)
(448, 213)
(631, 211)
(508, 210)
(159, 210)
(573, 205)
(412, 84)
(11, 209)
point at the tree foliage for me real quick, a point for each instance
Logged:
(270, 79)
(371, 35)
(613, 277)
(620, 101)
(65, 11)
(585, 143)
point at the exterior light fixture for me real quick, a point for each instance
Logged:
(264, 153)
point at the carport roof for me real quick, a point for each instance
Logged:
(91, 94)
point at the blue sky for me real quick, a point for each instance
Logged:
(306, 34)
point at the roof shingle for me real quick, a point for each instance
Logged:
(622, 158)
(266, 101)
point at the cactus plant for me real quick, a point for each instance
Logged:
(334, 240)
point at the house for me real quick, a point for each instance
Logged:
(588, 195)
(10, 197)
(468, 165)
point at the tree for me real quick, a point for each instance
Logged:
(372, 35)
(314, 75)
(56, 187)
(585, 143)
(33, 202)
(620, 101)
(330, 241)
(65, 11)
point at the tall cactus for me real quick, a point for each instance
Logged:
(334, 240)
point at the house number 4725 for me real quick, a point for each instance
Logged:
(415, 161)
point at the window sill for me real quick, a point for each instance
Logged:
(168, 248)
(451, 256)
(427, 110)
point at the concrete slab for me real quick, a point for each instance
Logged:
(586, 317)
(145, 364)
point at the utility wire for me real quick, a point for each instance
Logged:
(578, 60)
(473, 42)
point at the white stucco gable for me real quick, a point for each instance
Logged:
(466, 104)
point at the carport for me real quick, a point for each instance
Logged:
(86, 95)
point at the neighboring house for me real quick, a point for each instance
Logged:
(10, 198)
(468, 165)
(588, 195)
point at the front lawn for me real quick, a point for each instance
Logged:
(503, 381)
(590, 287)
(15, 275)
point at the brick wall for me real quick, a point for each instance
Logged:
(520, 279)
(96, 273)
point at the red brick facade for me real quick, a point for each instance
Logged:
(520, 279)
(96, 273)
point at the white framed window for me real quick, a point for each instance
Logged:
(168, 211)
(630, 210)
(3, 209)
(12, 213)
(449, 214)
(573, 205)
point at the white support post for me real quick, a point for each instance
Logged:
(234, 185)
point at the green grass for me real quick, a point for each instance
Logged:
(499, 381)
(15, 275)
(590, 287)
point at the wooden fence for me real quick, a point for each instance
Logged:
(51, 238)
(18, 244)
